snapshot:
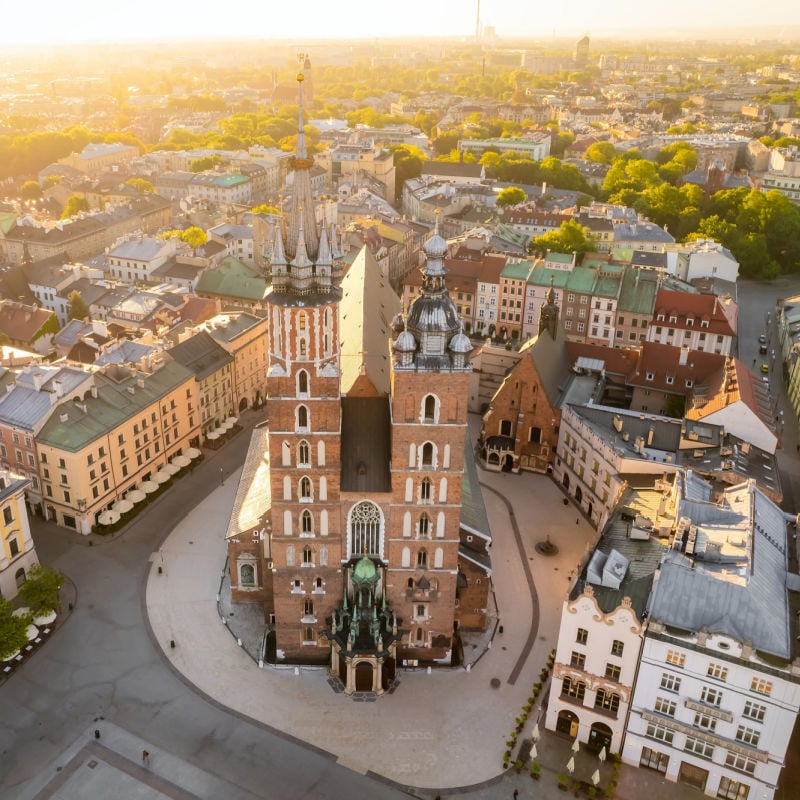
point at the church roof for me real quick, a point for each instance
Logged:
(366, 444)
(368, 306)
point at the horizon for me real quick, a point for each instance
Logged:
(98, 22)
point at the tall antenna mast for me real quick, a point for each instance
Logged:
(478, 21)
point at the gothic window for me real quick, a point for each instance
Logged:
(302, 418)
(286, 454)
(305, 488)
(302, 382)
(302, 320)
(430, 408)
(425, 493)
(505, 427)
(424, 525)
(308, 635)
(365, 530)
(247, 575)
(427, 455)
(419, 634)
(535, 435)
(308, 607)
(410, 584)
(290, 555)
(306, 522)
(308, 556)
(422, 558)
(302, 348)
(303, 454)
(318, 583)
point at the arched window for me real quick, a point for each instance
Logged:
(305, 488)
(410, 583)
(574, 689)
(308, 635)
(302, 382)
(419, 634)
(308, 556)
(427, 455)
(430, 408)
(365, 530)
(505, 427)
(438, 558)
(20, 577)
(318, 583)
(302, 348)
(308, 607)
(535, 435)
(405, 560)
(424, 525)
(306, 522)
(302, 320)
(422, 558)
(247, 575)
(607, 701)
(286, 454)
(302, 418)
(425, 491)
(303, 458)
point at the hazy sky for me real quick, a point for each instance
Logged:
(114, 20)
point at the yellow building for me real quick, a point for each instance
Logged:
(120, 433)
(243, 335)
(212, 366)
(17, 554)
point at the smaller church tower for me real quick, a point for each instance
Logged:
(548, 317)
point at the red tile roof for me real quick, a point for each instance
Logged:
(720, 313)
(662, 361)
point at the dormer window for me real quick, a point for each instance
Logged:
(670, 379)
(650, 376)
(660, 318)
(673, 319)
(689, 321)
(689, 383)
(703, 323)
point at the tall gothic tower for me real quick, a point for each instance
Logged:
(430, 378)
(304, 419)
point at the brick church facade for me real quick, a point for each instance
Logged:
(348, 522)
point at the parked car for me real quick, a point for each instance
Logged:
(765, 368)
(762, 339)
(762, 349)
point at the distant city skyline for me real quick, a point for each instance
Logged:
(54, 21)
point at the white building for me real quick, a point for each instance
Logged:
(237, 239)
(706, 258)
(135, 258)
(718, 688)
(602, 629)
(17, 552)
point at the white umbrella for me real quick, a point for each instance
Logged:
(149, 487)
(193, 452)
(161, 476)
(225, 426)
(596, 777)
(212, 435)
(535, 733)
(171, 469)
(122, 506)
(571, 765)
(575, 745)
(181, 461)
(602, 754)
(534, 752)
(108, 517)
(45, 619)
(232, 420)
(135, 495)
(21, 612)
(31, 632)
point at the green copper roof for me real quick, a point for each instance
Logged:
(638, 296)
(365, 571)
(541, 276)
(581, 279)
(608, 281)
(233, 278)
(118, 399)
(517, 271)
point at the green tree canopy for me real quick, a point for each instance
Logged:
(30, 190)
(141, 185)
(443, 144)
(204, 163)
(77, 306)
(40, 590)
(51, 180)
(408, 161)
(13, 630)
(511, 196)
(264, 209)
(570, 237)
(74, 205)
(600, 152)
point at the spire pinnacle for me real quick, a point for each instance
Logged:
(301, 151)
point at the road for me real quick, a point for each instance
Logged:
(102, 663)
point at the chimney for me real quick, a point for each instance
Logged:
(94, 391)
(683, 358)
(650, 436)
(617, 424)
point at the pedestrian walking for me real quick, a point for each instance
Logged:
(145, 758)
(516, 794)
(577, 520)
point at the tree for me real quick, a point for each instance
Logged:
(30, 190)
(511, 196)
(443, 144)
(74, 205)
(205, 163)
(13, 630)
(264, 209)
(141, 185)
(600, 152)
(195, 237)
(40, 590)
(51, 180)
(77, 306)
(570, 237)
